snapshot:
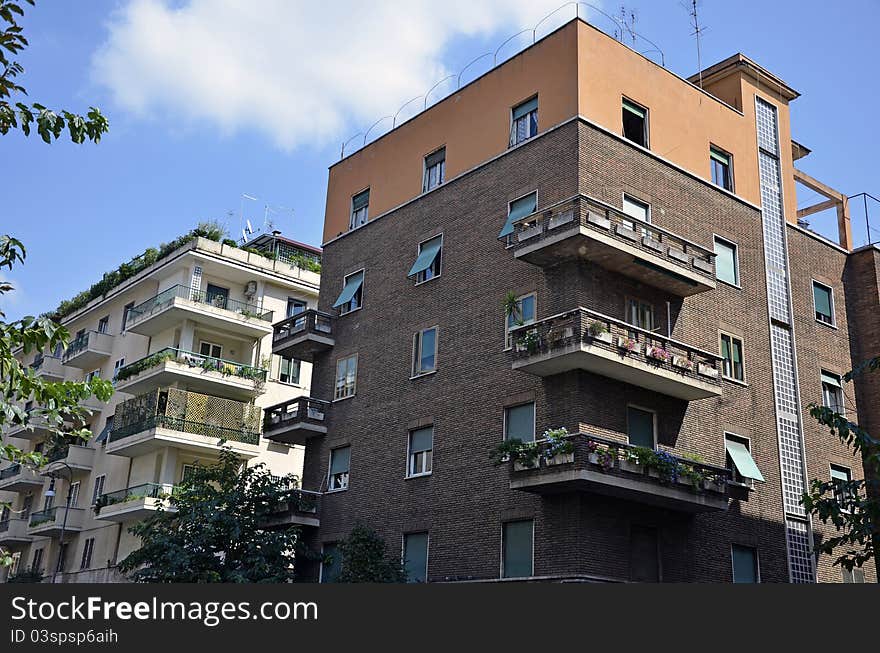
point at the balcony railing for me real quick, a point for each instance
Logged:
(303, 334)
(58, 454)
(166, 297)
(295, 420)
(185, 426)
(9, 472)
(142, 491)
(97, 344)
(192, 359)
(42, 517)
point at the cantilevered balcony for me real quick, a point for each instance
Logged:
(78, 459)
(89, 350)
(300, 508)
(602, 466)
(168, 417)
(177, 303)
(37, 428)
(19, 478)
(48, 368)
(14, 531)
(48, 523)
(134, 503)
(584, 228)
(586, 340)
(296, 420)
(171, 366)
(303, 335)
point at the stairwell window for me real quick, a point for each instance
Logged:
(832, 392)
(726, 262)
(435, 170)
(340, 462)
(732, 358)
(744, 560)
(360, 208)
(421, 452)
(635, 123)
(722, 168)
(823, 303)
(524, 121)
(346, 377)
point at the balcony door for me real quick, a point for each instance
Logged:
(217, 296)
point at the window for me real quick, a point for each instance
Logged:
(340, 461)
(346, 377)
(644, 555)
(352, 296)
(839, 476)
(125, 312)
(517, 209)
(217, 296)
(524, 314)
(726, 262)
(99, 488)
(517, 541)
(722, 171)
(421, 452)
(360, 207)
(519, 422)
(832, 392)
(415, 557)
(641, 427)
(635, 123)
(288, 370)
(295, 306)
(732, 357)
(74, 494)
(26, 506)
(210, 349)
(88, 547)
(425, 351)
(740, 461)
(524, 122)
(435, 170)
(636, 208)
(429, 261)
(91, 376)
(823, 303)
(640, 314)
(118, 365)
(331, 563)
(104, 324)
(37, 562)
(855, 576)
(187, 473)
(745, 564)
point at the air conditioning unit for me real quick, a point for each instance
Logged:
(250, 289)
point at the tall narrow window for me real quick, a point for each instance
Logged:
(823, 302)
(640, 314)
(415, 557)
(435, 170)
(640, 427)
(523, 314)
(732, 357)
(118, 365)
(37, 561)
(288, 370)
(635, 123)
(331, 563)
(346, 377)
(429, 261)
(519, 422)
(832, 392)
(340, 461)
(517, 543)
(525, 121)
(88, 548)
(125, 312)
(104, 324)
(352, 296)
(98, 489)
(745, 564)
(74, 493)
(722, 170)
(425, 351)
(840, 476)
(421, 452)
(360, 207)
(644, 555)
(726, 263)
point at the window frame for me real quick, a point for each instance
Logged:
(351, 210)
(508, 342)
(211, 346)
(513, 142)
(417, 353)
(321, 566)
(293, 301)
(653, 422)
(646, 126)
(742, 355)
(125, 311)
(736, 270)
(833, 308)
(96, 494)
(838, 495)
(508, 240)
(627, 302)
(502, 538)
(438, 261)
(736, 476)
(359, 293)
(504, 425)
(88, 550)
(104, 325)
(336, 377)
(410, 454)
(426, 188)
(757, 563)
(632, 199)
(403, 537)
(839, 378)
(281, 360)
(721, 152)
(347, 473)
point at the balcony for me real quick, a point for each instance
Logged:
(19, 478)
(48, 523)
(586, 340)
(134, 503)
(295, 421)
(37, 428)
(584, 228)
(178, 303)
(14, 531)
(48, 368)
(89, 350)
(608, 467)
(300, 509)
(168, 417)
(78, 458)
(171, 366)
(303, 336)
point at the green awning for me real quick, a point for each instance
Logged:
(634, 109)
(426, 256)
(830, 379)
(352, 285)
(743, 460)
(519, 209)
(525, 108)
(719, 156)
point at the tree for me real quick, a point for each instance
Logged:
(49, 124)
(364, 559)
(216, 530)
(852, 507)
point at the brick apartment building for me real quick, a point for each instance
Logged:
(664, 297)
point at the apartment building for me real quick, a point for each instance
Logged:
(188, 344)
(581, 239)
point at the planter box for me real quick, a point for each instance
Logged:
(559, 219)
(598, 220)
(682, 363)
(678, 255)
(653, 353)
(633, 468)
(621, 342)
(650, 243)
(706, 370)
(704, 266)
(559, 459)
(603, 337)
(519, 467)
(529, 232)
(626, 232)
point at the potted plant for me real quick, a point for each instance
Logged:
(629, 345)
(657, 352)
(558, 449)
(598, 331)
(603, 456)
(523, 455)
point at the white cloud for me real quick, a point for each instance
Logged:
(302, 72)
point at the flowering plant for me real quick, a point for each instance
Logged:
(656, 351)
(628, 344)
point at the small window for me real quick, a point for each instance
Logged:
(841, 475)
(73, 491)
(523, 315)
(732, 357)
(425, 352)
(832, 392)
(331, 563)
(429, 261)
(519, 422)
(745, 564)
(91, 376)
(636, 208)
(340, 460)
(635, 123)
(360, 207)
(118, 365)
(187, 473)
(726, 262)
(104, 324)
(346, 377)
(125, 312)
(644, 555)
(524, 123)
(517, 544)
(288, 370)
(421, 452)
(88, 547)
(640, 314)
(352, 296)
(37, 561)
(641, 427)
(516, 210)
(435, 170)
(823, 303)
(98, 489)
(210, 349)
(415, 557)
(722, 170)
(295, 306)
(740, 460)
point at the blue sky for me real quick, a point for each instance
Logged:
(208, 101)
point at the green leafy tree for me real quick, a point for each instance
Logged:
(217, 530)
(48, 124)
(365, 560)
(852, 507)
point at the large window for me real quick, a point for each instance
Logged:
(37, 560)
(331, 563)
(352, 296)
(635, 123)
(517, 543)
(823, 303)
(360, 207)
(429, 261)
(523, 314)
(644, 555)
(519, 422)
(340, 461)
(435, 170)
(726, 261)
(832, 392)
(415, 557)
(421, 452)
(524, 121)
(732, 357)
(722, 169)
(425, 352)
(745, 564)
(346, 377)
(641, 428)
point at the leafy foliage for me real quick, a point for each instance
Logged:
(365, 560)
(217, 531)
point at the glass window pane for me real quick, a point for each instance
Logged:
(725, 262)
(415, 557)
(429, 350)
(339, 460)
(520, 423)
(745, 564)
(422, 439)
(517, 548)
(822, 299)
(640, 427)
(636, 209)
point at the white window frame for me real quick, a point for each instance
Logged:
(351, 211)
(501, 566)
(849, 475)
(742, 353)
(736, 269)
(346, 481)
(118, 365)
(336, 377)
(426, 187)
(653, 421)
(281, 360)
(344, 309)
(534, 419)
(438, 261)
(508, 341)
(513, 142)
(418, 339)
(105, 321)
(628, 301)
(410, 454)
(73, 491)
(211, 346)
(757, 562)
(833, 323)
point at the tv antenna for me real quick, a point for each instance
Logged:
(625, 21)
(697, 33)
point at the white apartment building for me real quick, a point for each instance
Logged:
(188, 342)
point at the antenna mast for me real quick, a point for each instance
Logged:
(698, 32)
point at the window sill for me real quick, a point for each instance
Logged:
(826, 324)
(337, 490)
(422, 283)
(287, 384)
(341, 314)
(736, 381)
(422, 375)
(412, 476)
(344, 398)
(727, 283)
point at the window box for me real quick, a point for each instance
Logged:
(529, 232)
(626, 232)
(657, 353)
(705, 266)
(604, 336)
(631, 466)
(559, 459)
(559, 219)
(682, 363)
(650, 243)
(678, 255)
(598, 220)
(629, 345)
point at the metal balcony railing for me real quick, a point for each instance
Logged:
(80, 344)
(13, 470)
(225, 367)
(42, 517)
(301, 409)
(142, 491)
(185, 426)
(166, 297)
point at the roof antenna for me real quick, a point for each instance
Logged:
(698, 32)
(627, 20)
